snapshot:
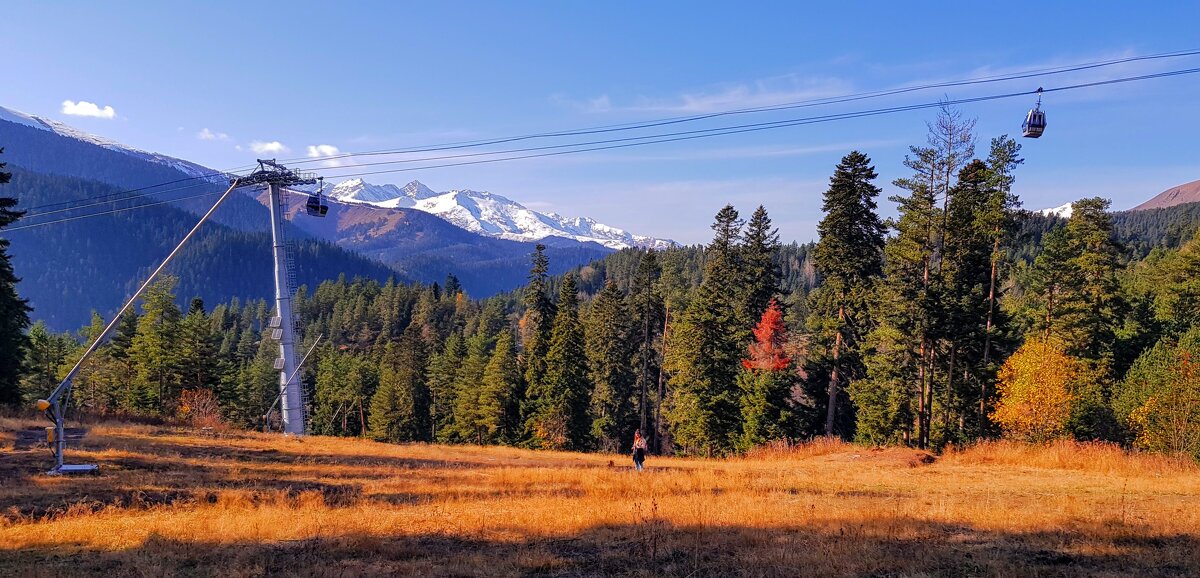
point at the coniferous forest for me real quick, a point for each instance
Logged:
(961, 318)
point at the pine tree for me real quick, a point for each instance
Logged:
(703, 406)
(609, 352)
(849, 256)
(400, 406)
(14, 311)
(766, 383)
(499, 399)
(761, 272)
(560, 409)
(198, 361)
(345, 385)
(44, 357)
(469, 418)
(442, 375)
(647, 318)
(154, 351)
(537, 322)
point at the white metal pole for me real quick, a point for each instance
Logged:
(293, 406)
(52, 403)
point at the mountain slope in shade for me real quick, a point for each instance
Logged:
(490, 214)
(1186, 193)
(187, 168)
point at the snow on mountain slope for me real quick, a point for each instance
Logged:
(490, 214)
(1063, 211)
(188, 168)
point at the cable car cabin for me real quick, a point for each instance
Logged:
(316, 205)
(1035, 124)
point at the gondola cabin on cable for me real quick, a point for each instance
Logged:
(1035, 120)
(316, 205)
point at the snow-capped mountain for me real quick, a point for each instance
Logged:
(188, 168)
(1063, 211)
(490, 214)
(482, 213)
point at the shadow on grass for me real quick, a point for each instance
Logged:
(878, 548)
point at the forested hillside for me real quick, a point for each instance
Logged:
(70, 269)
(964, 318)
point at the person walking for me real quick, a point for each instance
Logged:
(639, 450)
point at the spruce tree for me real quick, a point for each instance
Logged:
(761, 272)
(44, 357)
(536, 324)
(647, 318)
(468, 414)
(705, 347)
(499, 399)
(560, 411)
(400, 406)
(442, 376)
(14, 311)
(155, 351)
(198, 361)
(609, 352)
(849, 256)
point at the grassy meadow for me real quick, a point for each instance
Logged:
(169, 501)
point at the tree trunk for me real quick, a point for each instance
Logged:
(831, 412)
(658, 429)
(645, 363)
(987, 332)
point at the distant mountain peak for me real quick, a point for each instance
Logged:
(1063, 211)
(1178, 195)
(490, 214)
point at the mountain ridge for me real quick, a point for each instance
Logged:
(490, 214)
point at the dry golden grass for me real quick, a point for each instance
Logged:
(171, 503)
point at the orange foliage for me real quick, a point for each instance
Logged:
(770, 338)
(1035, 392)
(170, 503)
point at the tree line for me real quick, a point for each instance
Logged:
(961, 318)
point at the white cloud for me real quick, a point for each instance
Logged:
(206, 134)
(268, 147)
(85, 108)
(324, 150)
(772, 91)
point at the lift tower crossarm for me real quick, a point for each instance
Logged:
(52, 405)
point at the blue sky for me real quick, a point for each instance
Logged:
(207, 81)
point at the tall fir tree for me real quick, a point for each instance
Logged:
(560, 409)
(609, 353)
(500, 395)
(761, 273)
(442, 376)
(400, 406)
(850, 257)
(154, 351)
(14, 311)
(198, 360)
(647, 316)
(705, 347)
(469, 416)
(537, 322)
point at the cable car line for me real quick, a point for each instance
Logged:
(126, 194)
(672, 137)
(766, 108)
(736, 129)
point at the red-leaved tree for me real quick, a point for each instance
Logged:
(767, 351)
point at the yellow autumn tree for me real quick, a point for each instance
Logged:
(1159, 400)
(1035, 392)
